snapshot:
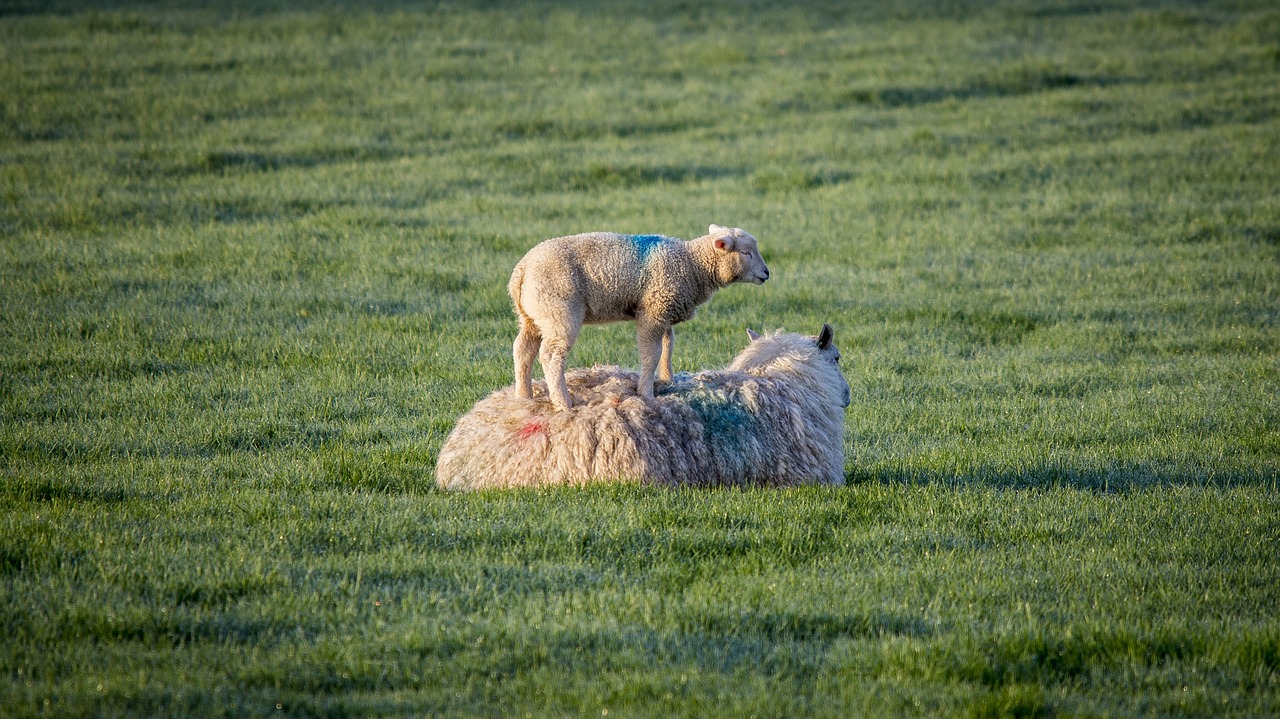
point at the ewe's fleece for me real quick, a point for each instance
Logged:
(565, 282)
(774, 417)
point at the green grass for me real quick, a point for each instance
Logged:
(253, 264)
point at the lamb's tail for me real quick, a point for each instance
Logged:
(514, 286)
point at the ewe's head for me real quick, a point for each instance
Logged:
(737, 256)
(813, 361)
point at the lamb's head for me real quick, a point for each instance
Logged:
(737, 256)
(813, 361)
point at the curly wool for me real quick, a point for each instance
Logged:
(775, 417)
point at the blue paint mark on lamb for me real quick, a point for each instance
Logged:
(646, 243)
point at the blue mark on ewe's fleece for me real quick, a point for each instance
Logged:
(726, 423)
(645, 243)
(721, 416)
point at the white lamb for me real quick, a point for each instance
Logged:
(600, 277)
(773, 417)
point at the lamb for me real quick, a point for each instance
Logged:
(773, 417)
(601, 277)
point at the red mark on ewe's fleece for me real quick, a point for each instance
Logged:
(532, 427)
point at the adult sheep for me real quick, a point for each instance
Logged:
(598, 277)
(773, 417)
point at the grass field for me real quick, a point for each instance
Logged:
(252, 268)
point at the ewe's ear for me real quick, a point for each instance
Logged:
(752, 334)
(724, 244)
(717, 230)
(825, 336)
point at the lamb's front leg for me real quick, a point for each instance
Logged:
(650, 337)
(664, 362)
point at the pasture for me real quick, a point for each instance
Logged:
(253, 261)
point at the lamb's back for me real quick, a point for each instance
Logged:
(608, 273)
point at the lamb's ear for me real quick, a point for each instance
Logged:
(717, 230)
(752, 334)
(724, 244)
(825, 336)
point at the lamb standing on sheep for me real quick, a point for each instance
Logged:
(773, 417)
(600, 277)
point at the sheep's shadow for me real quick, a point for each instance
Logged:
(1116, 476)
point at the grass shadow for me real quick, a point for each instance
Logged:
(1116, 476)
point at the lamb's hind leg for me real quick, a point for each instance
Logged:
(525, 351)
(554, 354)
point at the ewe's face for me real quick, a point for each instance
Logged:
(831, 353)
(740, 259)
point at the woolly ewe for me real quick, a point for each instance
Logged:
(600, 277)
(774, 417)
